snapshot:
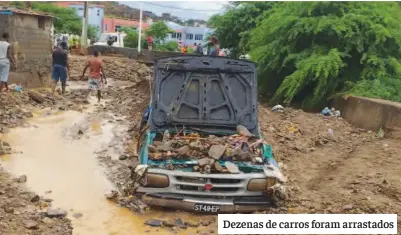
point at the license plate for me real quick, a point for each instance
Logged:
(206, 208)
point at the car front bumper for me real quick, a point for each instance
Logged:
(187, 203)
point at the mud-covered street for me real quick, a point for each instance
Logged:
(62, 156)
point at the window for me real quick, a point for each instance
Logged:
(198, 37)
(117, 29)
(41, 22)
(190, 36)
(98, 12)
(105, 27)
(176, 35)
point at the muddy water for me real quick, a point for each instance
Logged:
(56, 159)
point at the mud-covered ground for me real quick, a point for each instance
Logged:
(22, 211)
(331, 166)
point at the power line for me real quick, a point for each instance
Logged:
(178, 8)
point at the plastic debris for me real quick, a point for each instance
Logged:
(243, 131)
(278, 108)
(331, 112)
(166, 136)
(326, 111)
(141, 169)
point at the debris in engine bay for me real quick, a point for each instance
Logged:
(208, 150)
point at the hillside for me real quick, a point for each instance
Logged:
(115, 9)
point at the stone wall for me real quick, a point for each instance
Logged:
(370, 114)
(31, 35)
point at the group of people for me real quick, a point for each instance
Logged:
(213, 48)
(61, 70)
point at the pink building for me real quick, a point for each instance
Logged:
(113, 24)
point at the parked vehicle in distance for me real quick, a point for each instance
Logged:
(115, 39)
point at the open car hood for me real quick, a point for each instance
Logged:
(204, 92)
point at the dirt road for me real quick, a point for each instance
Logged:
(82, 153)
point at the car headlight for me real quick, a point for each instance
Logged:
(260, 185)
(156, 181)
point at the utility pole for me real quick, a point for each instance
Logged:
(140, 28)
(84, 36)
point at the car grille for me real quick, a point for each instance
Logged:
(193, 184)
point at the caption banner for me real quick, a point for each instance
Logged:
(307, 224)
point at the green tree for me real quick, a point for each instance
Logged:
(158, 31)
(93, 31)
(131, 38)
(190, 22)
(169, 46)
(307, 52)
(67, 20)
(233, 28)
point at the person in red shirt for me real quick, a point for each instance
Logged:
(150, 42)
(96, 74)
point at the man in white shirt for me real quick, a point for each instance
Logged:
(5, 58)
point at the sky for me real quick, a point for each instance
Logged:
(201, 10)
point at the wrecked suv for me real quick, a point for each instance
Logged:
(200, 147)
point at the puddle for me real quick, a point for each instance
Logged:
(53, 160)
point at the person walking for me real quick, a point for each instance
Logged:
(215, 48)
(180, 42)
(183, 50)
(93, 40)
(150, 42)
(96, 74)
(6, 57)
(60, 67)
(199, 49)
(195, 47)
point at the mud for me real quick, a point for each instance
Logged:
(330, 166)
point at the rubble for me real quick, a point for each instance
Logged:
(21, 179)
(123, 69)
(208, 150)
(232, 168)
(154, 223)
(53, 213)
(30, 224)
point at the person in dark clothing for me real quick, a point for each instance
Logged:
(60, 67)
(199, 49)
(93, 40)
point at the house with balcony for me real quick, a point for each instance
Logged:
(188, 34)
(95, 13)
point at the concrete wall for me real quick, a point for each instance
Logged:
(370, 114)
(145, 55)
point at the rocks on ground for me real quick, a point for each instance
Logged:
(20, 212)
